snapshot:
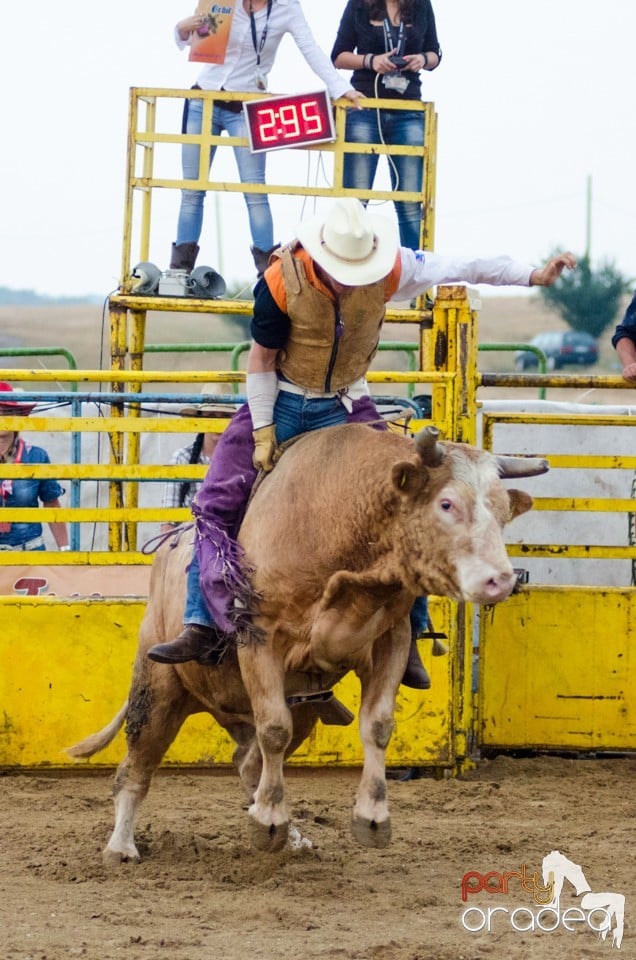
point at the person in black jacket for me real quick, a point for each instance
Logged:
(387, 43)
(624, 341)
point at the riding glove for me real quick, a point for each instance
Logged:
(264, 447)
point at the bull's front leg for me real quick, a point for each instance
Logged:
(264, 679)
(371, 823)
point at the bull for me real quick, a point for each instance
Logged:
(351, 526)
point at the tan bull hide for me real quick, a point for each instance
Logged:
(351, 526)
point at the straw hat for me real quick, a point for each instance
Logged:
(353, 246)
(210, 409)
(9, 406)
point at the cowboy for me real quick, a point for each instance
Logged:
(318, 313)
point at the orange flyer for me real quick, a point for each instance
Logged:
(209, 43)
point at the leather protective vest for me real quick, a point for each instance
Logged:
(329, 347)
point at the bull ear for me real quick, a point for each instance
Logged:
(426, 443)
(408, 478)
(509, 467)
(520, 502)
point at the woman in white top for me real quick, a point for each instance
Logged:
(257, 28)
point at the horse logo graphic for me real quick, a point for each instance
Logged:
(557, 869)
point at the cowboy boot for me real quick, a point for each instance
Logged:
(184, 256)
(415, 675)
(261, 258)
(203, 644)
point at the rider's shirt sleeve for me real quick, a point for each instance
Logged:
(270, 324)
(421, 270)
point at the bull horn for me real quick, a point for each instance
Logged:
(509, 467)
(426, 443)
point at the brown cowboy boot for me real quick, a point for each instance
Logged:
(415, 675)
(261, 258)
(184, 256)
(205, 645)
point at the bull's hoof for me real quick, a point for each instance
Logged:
(269, 839)
(114, 858)
(370, 833)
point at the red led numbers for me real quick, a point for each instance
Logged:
(293, 121)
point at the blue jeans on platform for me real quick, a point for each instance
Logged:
(251, 168)
(397, 127)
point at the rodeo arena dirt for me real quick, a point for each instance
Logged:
(201, 891)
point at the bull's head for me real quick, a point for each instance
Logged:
(463, 504)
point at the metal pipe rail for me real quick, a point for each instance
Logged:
(579, 461)
(542, 360)
(121, 475)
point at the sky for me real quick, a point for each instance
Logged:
(534, 103)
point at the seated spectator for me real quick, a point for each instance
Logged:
(25, 492)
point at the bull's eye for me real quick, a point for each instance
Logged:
(446, 505)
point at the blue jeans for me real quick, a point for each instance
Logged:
(294, 414)
(196, 610)
(251, 168)
(399, 127)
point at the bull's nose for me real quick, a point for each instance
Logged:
(499, 586)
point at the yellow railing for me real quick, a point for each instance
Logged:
(153, 127)
(122, 470)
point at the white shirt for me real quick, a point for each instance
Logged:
(239, 70)
(421, 270)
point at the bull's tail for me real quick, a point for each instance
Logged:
(98, 741)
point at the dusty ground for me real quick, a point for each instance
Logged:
(201, 892)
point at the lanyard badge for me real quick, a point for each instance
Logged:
(259, 77)
(395, 40)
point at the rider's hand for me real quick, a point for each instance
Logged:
(264, 447)
(547, 275)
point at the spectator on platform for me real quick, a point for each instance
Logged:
(387, 44)
(256, 31)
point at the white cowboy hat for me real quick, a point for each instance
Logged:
(353, 246)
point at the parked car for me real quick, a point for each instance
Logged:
(561, 347)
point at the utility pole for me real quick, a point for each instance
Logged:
(219, 248)
(588, 219)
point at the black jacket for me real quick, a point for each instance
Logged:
(356, 34)
(627, 328)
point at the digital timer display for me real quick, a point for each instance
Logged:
(293, 121)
